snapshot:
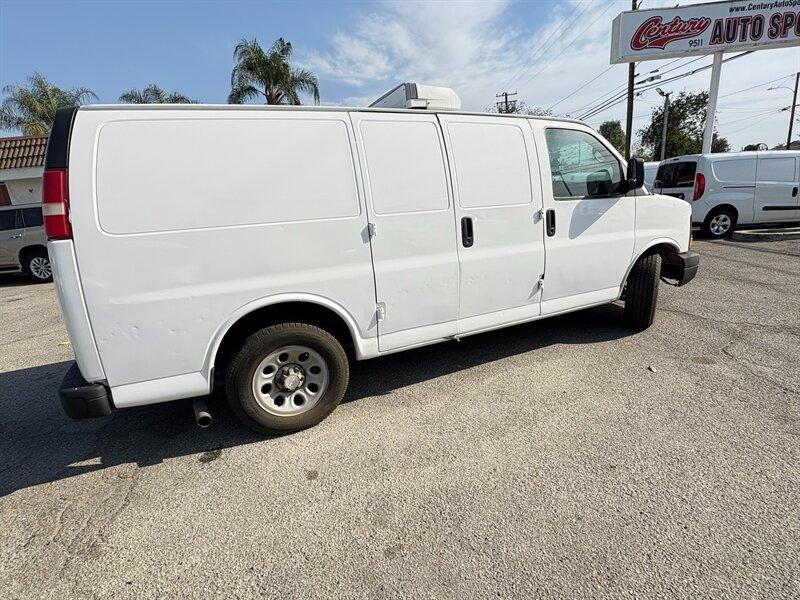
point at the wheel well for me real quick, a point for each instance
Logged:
(28, 250)
(283, 312)
(730, 207)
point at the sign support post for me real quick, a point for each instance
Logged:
(713, 93)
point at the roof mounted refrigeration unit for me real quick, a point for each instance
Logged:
(419, 95)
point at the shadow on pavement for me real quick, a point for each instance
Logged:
(16, 280)
(38, 443)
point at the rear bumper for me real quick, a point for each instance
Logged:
(682, 267)
(81, 399)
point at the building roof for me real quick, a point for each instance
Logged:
(22, 151)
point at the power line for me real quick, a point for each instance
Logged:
(532, 77)
(756, 86)
(541, 47)
(614, 101)
(580, 87)
(618, 87)
(753, 124)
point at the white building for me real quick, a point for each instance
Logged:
(21, 168)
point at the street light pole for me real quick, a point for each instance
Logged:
(664, 123)
(791, 118)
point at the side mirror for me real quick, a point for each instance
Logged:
(635, 173)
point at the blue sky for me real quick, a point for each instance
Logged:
(542, 49)
(110, 46)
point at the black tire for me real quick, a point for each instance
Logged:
(713, 231)
(37, 265)
(242, 368)
(641, 294)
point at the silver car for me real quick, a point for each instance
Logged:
(23, 245)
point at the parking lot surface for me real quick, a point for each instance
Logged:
(567, 457)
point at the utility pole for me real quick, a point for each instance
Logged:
(629, 118)
(504, 103)
(666, 95)
(791, 118)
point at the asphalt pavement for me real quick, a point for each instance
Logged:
(563, 458)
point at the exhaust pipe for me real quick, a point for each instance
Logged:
(201, 414)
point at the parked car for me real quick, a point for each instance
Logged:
(727, 190)
(265, 248)
(23, 242)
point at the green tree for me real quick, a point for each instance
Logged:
(612, 131)
(687, 117)
(31, 108)
(269, 75)
(153, 94)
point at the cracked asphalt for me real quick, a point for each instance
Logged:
(563, 458)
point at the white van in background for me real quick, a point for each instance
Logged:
(726, 190)
(264, 248)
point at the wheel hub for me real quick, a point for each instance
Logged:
(291, 378)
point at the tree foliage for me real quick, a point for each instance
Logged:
(613, 132)
(153, 94)
(687, 117)
(520, 107)
(32, 108)
(269, 75)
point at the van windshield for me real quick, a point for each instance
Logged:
(678, 174)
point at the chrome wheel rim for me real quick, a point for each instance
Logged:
(40, 267)
(291, 380)
(720, 224)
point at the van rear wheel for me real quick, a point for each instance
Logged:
(641, 293)
(287, 377)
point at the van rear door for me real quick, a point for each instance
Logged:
(776, 188)
(498, 201)
(676, 179)
(412, 234)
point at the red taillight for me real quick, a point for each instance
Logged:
(699, 186)
(55, 205)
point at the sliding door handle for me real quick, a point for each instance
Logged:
(550, 222)
(794, 192)
(467, 238)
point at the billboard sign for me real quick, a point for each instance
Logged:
(697, 29)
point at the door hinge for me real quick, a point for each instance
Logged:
(541, 283)
(380, 311)
(538, 215)
(371, 230)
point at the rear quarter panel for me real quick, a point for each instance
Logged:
(159, 284)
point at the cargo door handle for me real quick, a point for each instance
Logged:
(550, 222)
(794, 192)
(467, 238)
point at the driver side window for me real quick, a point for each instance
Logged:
(581, 166)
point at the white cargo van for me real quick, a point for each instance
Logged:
(737, 188)
(264, 248)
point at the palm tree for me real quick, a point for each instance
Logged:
(269, 75)
(153, 94)
(32, 108)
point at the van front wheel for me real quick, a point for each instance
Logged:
(641, 293)
(287, 377)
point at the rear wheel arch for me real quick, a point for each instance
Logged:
(323, 315)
